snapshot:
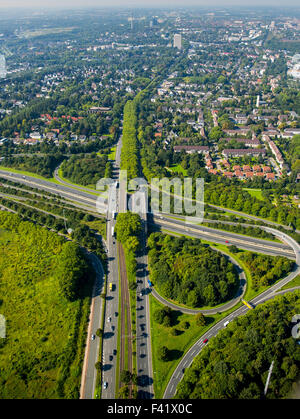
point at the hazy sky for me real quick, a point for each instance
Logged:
(141, 3)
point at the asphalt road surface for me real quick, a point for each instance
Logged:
(110, 337)
(213, 331)
(92, 345)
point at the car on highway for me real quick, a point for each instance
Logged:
(226, 241)
(116, 314)
(226, 323)
(115, 352)
(109, 319)
(205, 341)
(105, 384)
(93, 337)
(111, 357)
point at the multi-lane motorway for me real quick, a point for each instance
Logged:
(110, 336)
(188, 358)
(223, 237)
(83, 196)
(88, 382)
(88, 198)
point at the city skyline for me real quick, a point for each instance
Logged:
(65, 4)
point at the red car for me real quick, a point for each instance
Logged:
(205, 341)
(226, 241)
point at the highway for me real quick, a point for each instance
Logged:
(88, 381)
(188, 358)
(220, 236)
(84, 196)
(110, 336)
(72, 193)
(144, 359)
(143, 325)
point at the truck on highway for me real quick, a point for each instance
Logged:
(113, 231)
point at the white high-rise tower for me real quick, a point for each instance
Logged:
(177, 41)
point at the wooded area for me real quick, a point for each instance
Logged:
(235, 363)
(45, 297)
(189, 272)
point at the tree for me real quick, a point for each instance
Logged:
(200, 320)
(98, 366)
(128, 224)
(215, 133)
(125, 377)
(124, 392)
(72, 270)
(163, 353)
(233, 249)
(99, 332)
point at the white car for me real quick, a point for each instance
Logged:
(105, 384)
(93, 337)
(109, 319)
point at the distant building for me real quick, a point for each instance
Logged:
(191, 149)
(243, 152)
(177, 41)
(248, 143)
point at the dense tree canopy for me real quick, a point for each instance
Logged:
(84, 170)
(72, 270)
(41, 165)
(235, 363)
(189, 272)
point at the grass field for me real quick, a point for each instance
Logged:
(161, 335)
(294, 283)
(255, 192)
(42, 32)
(177, 169)
(75, 185)
(98, 225)
(42, 354)
(177, 345)
(112, 154)
(26, 173)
